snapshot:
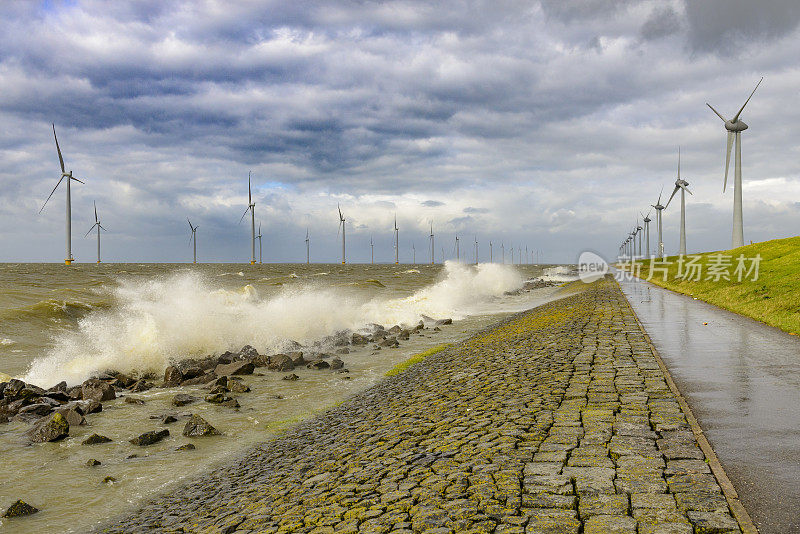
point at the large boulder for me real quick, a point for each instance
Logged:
(202, 379)
(13, 387)
(235, 368)
(196, 426)
(227, 357)
(94, 389)
(73, 417)
(336, 363)
(318, 364)
(96, 439)
(296, 357)
(19, 509)
(237, 386)
(53, 428)
(248, 353)
(61, 386)
(358, 339)
(172, 377)
(280, 362)
(141, 385)
(148, 438)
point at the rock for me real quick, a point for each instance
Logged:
(196, 426)
(38, 409)
(235, 368)
(218, 389)
(167, 419)
(230, 403)
(186, 447)
(91, 406)
(19, 509)
(182, 399)
(216, 398)
(91, 462)
(238, 387)
(358, 339)
(280, 362)
(133, 400)
(296, 357)
(394, 330)
(226, 357)
(73, 417)
(94, 389)
(404, 335)
(437, 329)
(343, 350)
(58, 396)
(123, 381)
(75, 392)
(262, 360)
(389, 342)
(248, 353)
(336, 363)
(13, 387)
(96, 439)
(30, 392)
(109, 480)
(442, 322)
(141, 385)
(61, 386)
(318, 364)
(53, 428)
(202, 379)
(172, 377)
(191, 371)
(148, 438)
(291, 377)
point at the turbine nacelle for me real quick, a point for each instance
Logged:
(738, 126)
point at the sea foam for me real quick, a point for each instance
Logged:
(155, 321)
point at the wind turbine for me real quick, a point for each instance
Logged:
(413, 254)
(192, 238)
(491, 257)
(683, 186)
(458, 254)
(251, 207)
(658, 207)
(308, 250)
(371, 251)
(476, 250)
(68, 175)
(527, 258)
(396, 242)
(432, 247)
(259, 242)
(96, 224)
(646, 219)
(341, 227)
(735, 128)
(639, 233)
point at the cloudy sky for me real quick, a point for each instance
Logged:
(548, 124)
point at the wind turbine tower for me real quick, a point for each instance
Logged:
(396, 242)
(342, 227)
(259, 242)
(308, 250)
(251, 207)
(96, 224)
(646, 219)
(735, 127)
(371, 251)
(681, 185)
(476, 250)
(68, 175)
(413, 254)
(192, 238)
(432, 244)
(491, 258)
(458, 255)
(659, 208)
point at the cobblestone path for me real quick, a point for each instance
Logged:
(559, 420)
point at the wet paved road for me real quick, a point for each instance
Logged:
(742, 380)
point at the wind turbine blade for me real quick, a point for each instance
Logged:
(672, 196)
(249, 189)
(728, 159)
(95, 211)
(77, 180)
(90, 229)
(102, 227)
(736, 117)
(717, 112)
(686, 189)
(679, 162)
(51, 193)
(190, 224)
(243, 214)
(60, 159)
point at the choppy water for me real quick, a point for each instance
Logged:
(64, 323)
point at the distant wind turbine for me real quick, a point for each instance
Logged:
(396, 242)
(259, 242)
(308, 250)
(735, 128)
(98, 226)
(646, 219)
(251, 207)
(476, 250)
(491, 258)
(371, 251)
(683, 186)
(342, 228)
(659, 208)
(413, 254)
(432, 246)
(68, 175)
(192, 238)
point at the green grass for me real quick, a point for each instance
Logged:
(401, 367)
(774, 298)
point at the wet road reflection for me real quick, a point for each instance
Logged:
(742, 380)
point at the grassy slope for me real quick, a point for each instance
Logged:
(402, 366)
(774, 298)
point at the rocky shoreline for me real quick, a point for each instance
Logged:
(558, 420)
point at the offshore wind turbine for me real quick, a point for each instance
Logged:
(476, 250)
(259, 242)
(683, 186)
(432, 245)
(646, 219)
(342, 228)
(96, 224)
(192, 238)
(413, 254)
(308, 250)
(68, 175)
(371, 251)
(251, 207)
(396, 242)
(659, 208)
(735, 127)
(458, 255)
(491, 258)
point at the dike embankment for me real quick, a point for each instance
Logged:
(558, 420)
